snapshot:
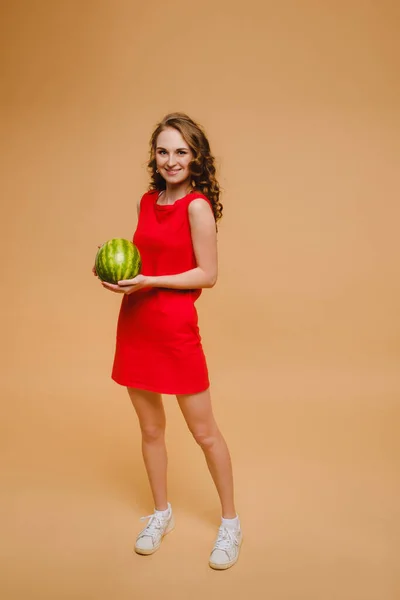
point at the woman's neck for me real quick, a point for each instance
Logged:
(172, 193)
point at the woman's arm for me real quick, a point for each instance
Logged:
(204, 239)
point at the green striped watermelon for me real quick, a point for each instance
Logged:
(117, 259)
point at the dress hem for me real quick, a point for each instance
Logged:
(147, 388)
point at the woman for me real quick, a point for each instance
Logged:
(158, 345)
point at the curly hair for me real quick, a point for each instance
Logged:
(202, 167)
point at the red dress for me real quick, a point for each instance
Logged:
(158, 344)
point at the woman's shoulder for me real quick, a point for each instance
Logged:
(148, 196)
(197, 195)
(197, 199)
(149, 193)
(146, 199)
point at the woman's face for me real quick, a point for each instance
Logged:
(173, 156)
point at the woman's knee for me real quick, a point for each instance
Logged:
(152, 433)
(206, 439)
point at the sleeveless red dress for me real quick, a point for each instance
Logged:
(158, 344)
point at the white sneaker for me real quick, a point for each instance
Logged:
(149, 539)
(226, 548)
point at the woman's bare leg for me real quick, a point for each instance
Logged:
(197, 411)
(150, 411)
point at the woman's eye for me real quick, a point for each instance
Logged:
(180, 152)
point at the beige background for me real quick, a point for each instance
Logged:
(301, 104)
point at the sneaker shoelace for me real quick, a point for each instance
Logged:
(226, 539)
(154, 526)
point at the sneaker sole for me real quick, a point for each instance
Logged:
(148, 551)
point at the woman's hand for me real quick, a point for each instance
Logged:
(129, 286)
(94, 266)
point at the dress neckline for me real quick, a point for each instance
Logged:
(169, 206)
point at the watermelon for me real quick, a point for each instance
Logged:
(117, 259)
